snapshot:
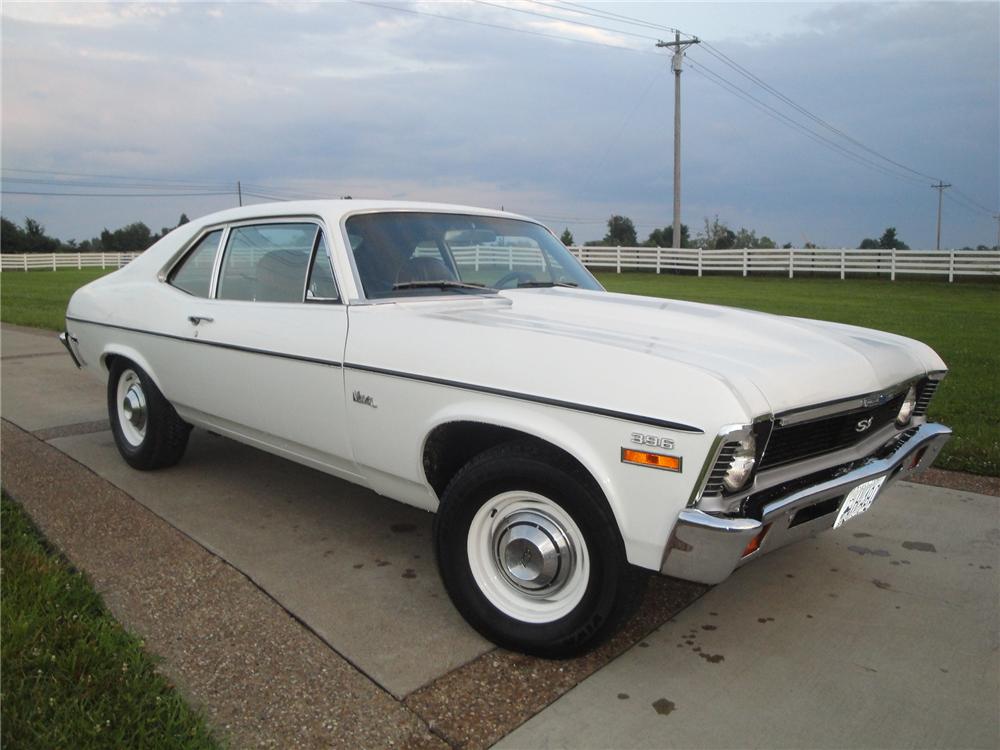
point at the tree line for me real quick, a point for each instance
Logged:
(717, 235)
(31, 237)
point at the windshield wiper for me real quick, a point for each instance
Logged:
(538, 284)
(439, 284)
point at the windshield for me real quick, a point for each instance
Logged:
(403, 254)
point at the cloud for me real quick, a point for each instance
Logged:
(349, 99)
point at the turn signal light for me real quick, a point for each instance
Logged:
(754, 544)
(655, 460)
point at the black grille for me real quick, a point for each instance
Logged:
(925, 392)
(799, 441)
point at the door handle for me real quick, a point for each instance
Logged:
(196, 319)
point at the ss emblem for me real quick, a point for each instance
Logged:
(653, 441)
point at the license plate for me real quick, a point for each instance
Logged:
(858, 500)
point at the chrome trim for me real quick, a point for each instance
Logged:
(852, 403)
(69, 341)
(163, 275)
(727, 433)
(707, 548)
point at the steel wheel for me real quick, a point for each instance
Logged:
(132, 409)
(528, 557)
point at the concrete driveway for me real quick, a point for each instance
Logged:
(883, 634)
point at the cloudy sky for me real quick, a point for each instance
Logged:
(545, 116)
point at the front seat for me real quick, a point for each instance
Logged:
(424, 269)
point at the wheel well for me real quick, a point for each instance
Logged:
(451, 446)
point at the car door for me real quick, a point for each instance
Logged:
(271, 335)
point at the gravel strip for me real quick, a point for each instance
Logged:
(479, 703)
(262, 678)
(957, 480)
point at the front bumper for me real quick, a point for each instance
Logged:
(707, 548)
(72, 346)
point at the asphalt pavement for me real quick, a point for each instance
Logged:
(883, 634)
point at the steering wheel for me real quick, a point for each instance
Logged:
(517, 276)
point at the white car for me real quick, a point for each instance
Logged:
(461, 360)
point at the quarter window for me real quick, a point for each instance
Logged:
(194, 274)
(267, 262)
(321, 287)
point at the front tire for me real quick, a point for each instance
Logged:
(147, 430)
(530, 553)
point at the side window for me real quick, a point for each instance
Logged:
(321, 286)
(267, 262)
(194, 274)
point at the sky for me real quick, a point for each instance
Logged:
(561, 121)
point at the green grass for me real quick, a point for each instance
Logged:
(72, 676)
(39, 298)
(960, 321)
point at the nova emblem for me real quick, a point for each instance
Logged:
(863, 424)
(361, 398)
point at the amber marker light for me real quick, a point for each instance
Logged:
(754, 543)
(653, 460)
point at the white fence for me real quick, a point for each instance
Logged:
(54, 261)
(950, 263)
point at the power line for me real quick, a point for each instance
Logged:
(563, 20)
(609, 16)
(458, 19)
(112, 195)
(715, 52)
(164, 180)
(721, 81)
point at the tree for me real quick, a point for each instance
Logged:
(183, 220)
(29, 239)
(621, 231)
(665, 237)
(888, 241)
(132, 238)
(717, 235)
(567, 237)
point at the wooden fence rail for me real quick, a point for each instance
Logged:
(949, 263)
(945, 263)
(55, 261)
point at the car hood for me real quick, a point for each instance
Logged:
(791, 362)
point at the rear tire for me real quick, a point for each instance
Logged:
(148, 432)
(530, 554)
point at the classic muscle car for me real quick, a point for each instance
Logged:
(463, 361)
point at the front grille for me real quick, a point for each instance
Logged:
(799, 441)
(925, 392)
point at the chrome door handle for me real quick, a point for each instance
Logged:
(196, 319)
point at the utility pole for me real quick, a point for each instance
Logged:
(940, 188)
(239, 191)
(675, 63)
(997, 218)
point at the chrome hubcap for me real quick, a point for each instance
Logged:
(134, 406)
(532, 552)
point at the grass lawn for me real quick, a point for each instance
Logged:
(39, 298)
(960, 321)
(72, 676)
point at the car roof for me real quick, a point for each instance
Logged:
(336, 209)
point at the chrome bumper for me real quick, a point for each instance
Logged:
(707, 549)
(69, 341)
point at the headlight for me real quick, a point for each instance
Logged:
(906, 410)
(741, 464)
